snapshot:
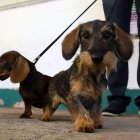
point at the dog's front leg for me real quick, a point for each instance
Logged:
(80, 116)
(49, 108)
(27, 113)
(47, 113)
(95, 113)
(98, 121)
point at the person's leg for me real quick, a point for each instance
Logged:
(117, 83)
(137, 2)
(120, 12)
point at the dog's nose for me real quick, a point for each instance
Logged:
(97, 58)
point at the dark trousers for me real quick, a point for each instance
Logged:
(119, 11)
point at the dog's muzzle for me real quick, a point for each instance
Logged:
(97, 58)
(4, 76)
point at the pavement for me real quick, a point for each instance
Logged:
(125, 127)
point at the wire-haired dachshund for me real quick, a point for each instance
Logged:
(33, 84)
(80, 87)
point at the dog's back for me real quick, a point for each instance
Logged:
(34, 88)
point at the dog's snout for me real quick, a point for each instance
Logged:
(97, 58)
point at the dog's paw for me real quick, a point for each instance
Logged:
(44, 118)
(85, 129)
(84, 126)
(25, 116)
(99, 126)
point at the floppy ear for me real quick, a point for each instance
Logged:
(70, 43)
(20, 70)
(124, 48)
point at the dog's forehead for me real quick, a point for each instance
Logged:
(9, 56)
(94, 25)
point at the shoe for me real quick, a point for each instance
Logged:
(117, 105)
(113, 110)
(110, 114)
(137, 103)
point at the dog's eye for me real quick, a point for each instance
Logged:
(86, 35)
(108, 35)
(2, 63)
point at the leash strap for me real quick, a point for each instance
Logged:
(38, 57)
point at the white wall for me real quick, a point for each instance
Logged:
(30, 29)
(133, 63)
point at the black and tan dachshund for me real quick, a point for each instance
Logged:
(80, 87)
(33, 84)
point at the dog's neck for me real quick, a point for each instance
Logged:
(32, 76)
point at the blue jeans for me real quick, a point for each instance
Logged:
(119, 11)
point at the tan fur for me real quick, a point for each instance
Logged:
(71, 42)
(82, 85)
(19, 73)
(57, 100)
(85, 64)
(81, 124)
(48, 111)
(110, 62)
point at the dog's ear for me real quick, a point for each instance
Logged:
(124, 48)
(70, 43)
(20, 70)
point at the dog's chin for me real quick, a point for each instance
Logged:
(4, 77)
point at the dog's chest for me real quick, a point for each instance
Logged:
(31, 93)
